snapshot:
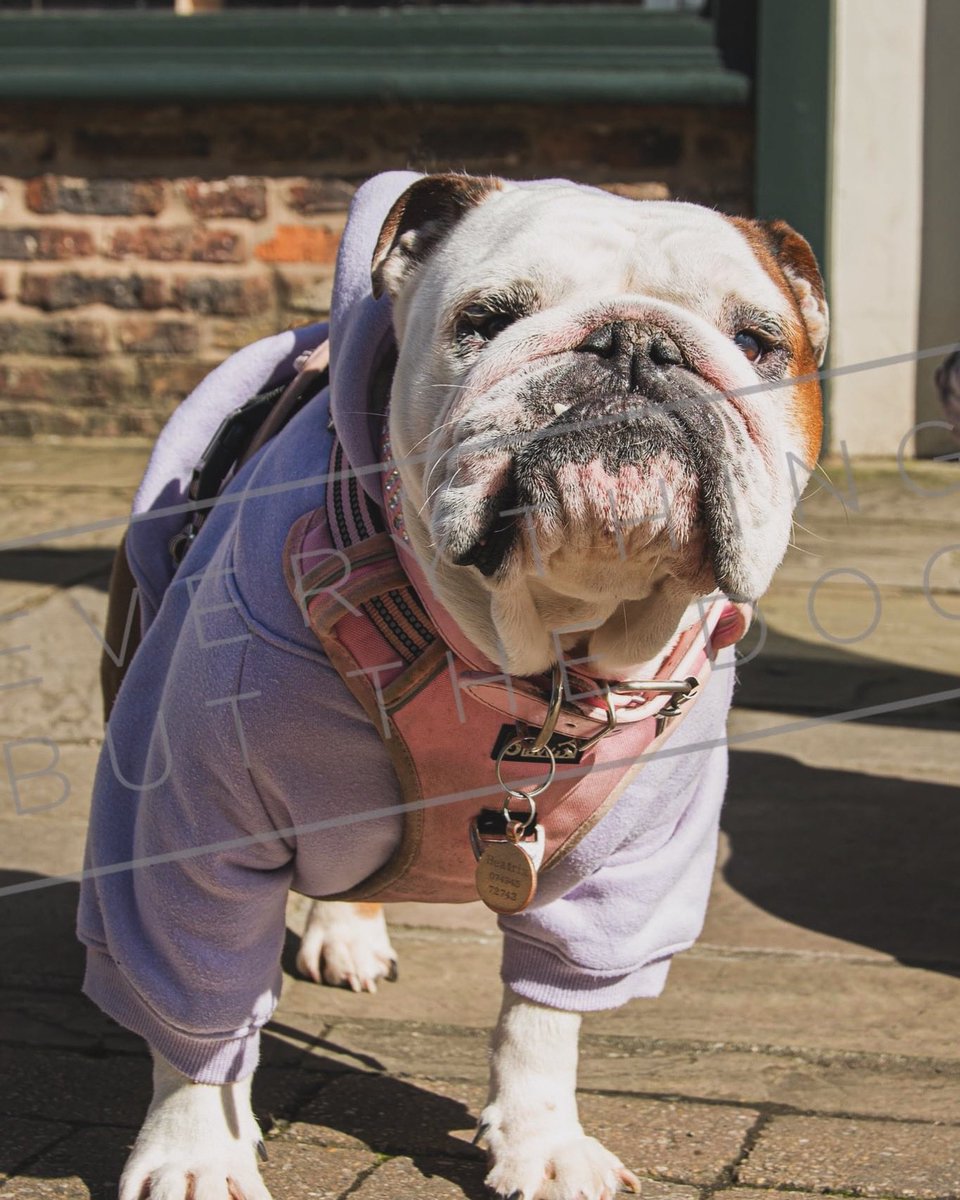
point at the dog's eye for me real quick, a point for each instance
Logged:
(751, 346)
(478, 321)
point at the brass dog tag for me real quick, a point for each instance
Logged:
(506, 878)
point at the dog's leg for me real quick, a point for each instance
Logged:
(538, 1150)
(347, 945)
(199, 1140)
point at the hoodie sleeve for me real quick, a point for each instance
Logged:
(186, 874)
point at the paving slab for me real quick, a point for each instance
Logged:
(842, 841)
(53, 683)
(868, 1158)
(65, 1021)
(56, 464)
(904, 655)
(738, 1193)
(910, 1088)
(300, 1172)
(691, 1143)
(24, 1140)
(456, 975)
(683, 1142)
(43, 819)
(85, 1166)
(393, 1116)
(67, 519)
(424, 1179)
(39, 951)
(77, 1088)
(798, 1000)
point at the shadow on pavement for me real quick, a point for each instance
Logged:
(819, 678)
(57, 567)
(63, 1062)
(869, 859)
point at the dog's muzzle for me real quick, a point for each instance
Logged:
(627, 398)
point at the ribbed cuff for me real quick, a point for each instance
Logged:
(217, 1058)
(537, 974)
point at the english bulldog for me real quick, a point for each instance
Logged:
(602, 411)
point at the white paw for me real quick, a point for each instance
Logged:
(551, 1163)
(185, 1152)
(177, 1175)
(347, 945)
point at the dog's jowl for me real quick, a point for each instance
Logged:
(415, 625)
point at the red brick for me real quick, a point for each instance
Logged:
(311, 196)
(48, 243)
(481, 139)
(70, 289)
(25, 150)
(81, 338)
(95, 197)
(234, 333)
(177, 243)
(165, 380)
(223, 296)
(300, 243)
(237, 196)
(21, 421)
(176, 143)
(150, 335)
(305, 292)
(74, 384)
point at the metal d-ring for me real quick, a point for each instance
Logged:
(675, 687)
(527, 794)
(546, 731)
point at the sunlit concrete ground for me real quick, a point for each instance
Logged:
(810, 1042)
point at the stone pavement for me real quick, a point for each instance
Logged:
(809, 1043)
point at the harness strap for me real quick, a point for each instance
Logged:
(444, 720)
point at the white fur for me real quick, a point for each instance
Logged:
(345, 947)
(681, 265)
(530, 1125)
(199, 1132)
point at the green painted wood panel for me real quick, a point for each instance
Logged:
(530, 52)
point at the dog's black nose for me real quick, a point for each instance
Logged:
(632, 350)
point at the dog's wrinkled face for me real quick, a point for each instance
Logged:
(594, 408)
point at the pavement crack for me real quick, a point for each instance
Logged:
(729, 1175)
(364, 1175)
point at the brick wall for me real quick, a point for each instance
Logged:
(141, 245)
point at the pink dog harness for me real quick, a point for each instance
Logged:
(453, 723)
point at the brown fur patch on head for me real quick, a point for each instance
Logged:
(790, 263)
(366, 909)
(419, 220)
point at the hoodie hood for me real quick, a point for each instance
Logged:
(360, 327)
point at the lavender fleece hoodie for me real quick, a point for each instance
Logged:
(237, 765)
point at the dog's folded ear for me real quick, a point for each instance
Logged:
(798, 264)
(418, 222)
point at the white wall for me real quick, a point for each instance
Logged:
(875, 210)
(939, 319)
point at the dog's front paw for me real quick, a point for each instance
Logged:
(198, 1142)
(347, 945)
(183, 1176)
(553, 1162)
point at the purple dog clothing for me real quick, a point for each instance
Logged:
(237, 764)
